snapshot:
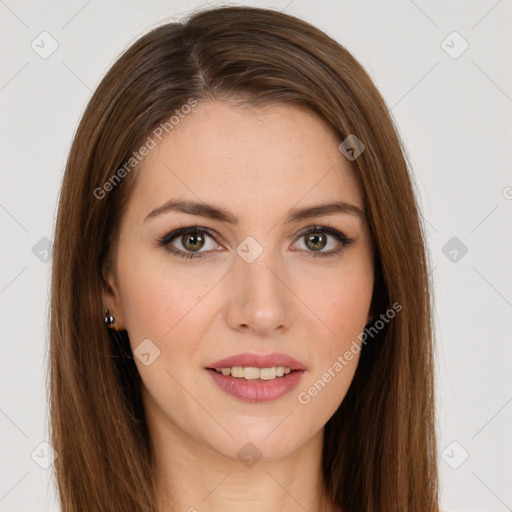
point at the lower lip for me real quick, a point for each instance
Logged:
(257, 390)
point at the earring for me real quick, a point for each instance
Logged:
(109, 319)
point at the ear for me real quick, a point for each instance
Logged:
(111, 300)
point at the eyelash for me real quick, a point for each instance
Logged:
(168, 238)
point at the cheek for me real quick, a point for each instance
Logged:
(335, 362)
(340, 300)
(342, 307)
(157, 298)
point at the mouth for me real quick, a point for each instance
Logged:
(257, 378)
(256, 385)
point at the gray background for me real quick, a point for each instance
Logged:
(453, 111)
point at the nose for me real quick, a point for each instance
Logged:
(259, 300)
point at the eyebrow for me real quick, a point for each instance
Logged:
(217, 213)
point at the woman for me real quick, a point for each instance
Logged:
(241, 313)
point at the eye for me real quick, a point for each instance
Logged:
(315, 239)
(188, 242)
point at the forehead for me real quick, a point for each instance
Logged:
(267, 158)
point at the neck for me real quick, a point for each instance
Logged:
(192, 476)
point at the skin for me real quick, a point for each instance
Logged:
(258, 164)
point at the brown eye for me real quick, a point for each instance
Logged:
(193, 241)
(189, 242)
(316, 241)
(320, 241)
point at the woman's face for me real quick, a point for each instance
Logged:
(250, 282)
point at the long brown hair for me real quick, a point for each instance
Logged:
(379, 448)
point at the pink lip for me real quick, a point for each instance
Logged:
(259, 361)
(257, 390)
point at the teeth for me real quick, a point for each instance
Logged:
(268, 373)
(251, 373)
(237, 371)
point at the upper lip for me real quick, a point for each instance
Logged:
(259, 361)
